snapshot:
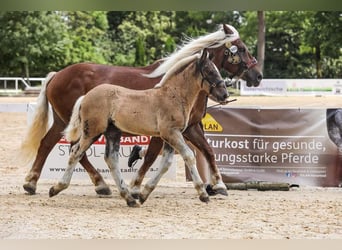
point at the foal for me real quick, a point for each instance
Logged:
(162, 111)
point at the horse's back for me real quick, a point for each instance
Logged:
(76, 80)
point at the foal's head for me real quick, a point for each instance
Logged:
(216, 87)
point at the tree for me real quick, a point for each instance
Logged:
(261, 39)
(88, 36)
(284, 57)
(322, 39)
(33, 43)
(150, 29)
(41, 41)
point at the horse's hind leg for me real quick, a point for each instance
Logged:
(101, 186)
(111, 157)
(168, 153)
(46, 145)
(195, 135)
(152, 153)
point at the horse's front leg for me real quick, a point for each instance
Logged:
(196, 136)
(168, 153)
(152, 153)
(112, 159)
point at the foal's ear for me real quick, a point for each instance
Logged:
(204, 55)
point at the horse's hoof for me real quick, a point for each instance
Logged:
(52, 192)
(135, 195)
(104, 191)
(204, 198)
(132, 203)
(134, 156)
(29, 188)
(222, 191)
(210, 190)
(142, 199)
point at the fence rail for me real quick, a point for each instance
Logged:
(13, 83)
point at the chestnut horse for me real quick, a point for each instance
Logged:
(66, 86)
(163, 111)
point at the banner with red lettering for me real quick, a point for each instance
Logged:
(296, 146)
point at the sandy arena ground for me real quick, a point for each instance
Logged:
(173, 210)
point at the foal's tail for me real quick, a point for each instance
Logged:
(73, 131)
(39, 125)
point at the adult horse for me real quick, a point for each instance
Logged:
(163, 111)
(66, 86)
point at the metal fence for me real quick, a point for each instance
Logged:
(17, 84)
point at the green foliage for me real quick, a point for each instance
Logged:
(31, 41)
(299, 44)
(89, 40)
(148, 29)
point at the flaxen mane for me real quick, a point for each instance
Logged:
(193, 46)
(171, 71)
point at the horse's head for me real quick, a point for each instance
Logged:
(216, 87)
(235, 58)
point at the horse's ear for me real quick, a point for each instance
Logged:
(227, 30)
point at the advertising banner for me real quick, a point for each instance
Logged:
(56, 162)
(290, 87)
(296, 146)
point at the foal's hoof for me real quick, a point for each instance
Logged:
(132, 203)
(204, 198)
(213, 192)
(222, 191)
(53, 192)
(30, 188)
(135, 195)
(103, 191)
(210, 190)
(142, 199)
(134, 156)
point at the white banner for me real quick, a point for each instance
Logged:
(272, 87)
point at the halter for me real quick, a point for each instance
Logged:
(232, 56)
(211, 83)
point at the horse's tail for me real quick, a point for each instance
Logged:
(73, 131)
(39, 125)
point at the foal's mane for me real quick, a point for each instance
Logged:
(177, 67)
(193, 46)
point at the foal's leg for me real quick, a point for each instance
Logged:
(190, 161)
(168, 153)
(196, 136)
(175, 138)
(112, 159)
(152, 153)
(76, 154)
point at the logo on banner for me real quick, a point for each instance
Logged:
(210, 124)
